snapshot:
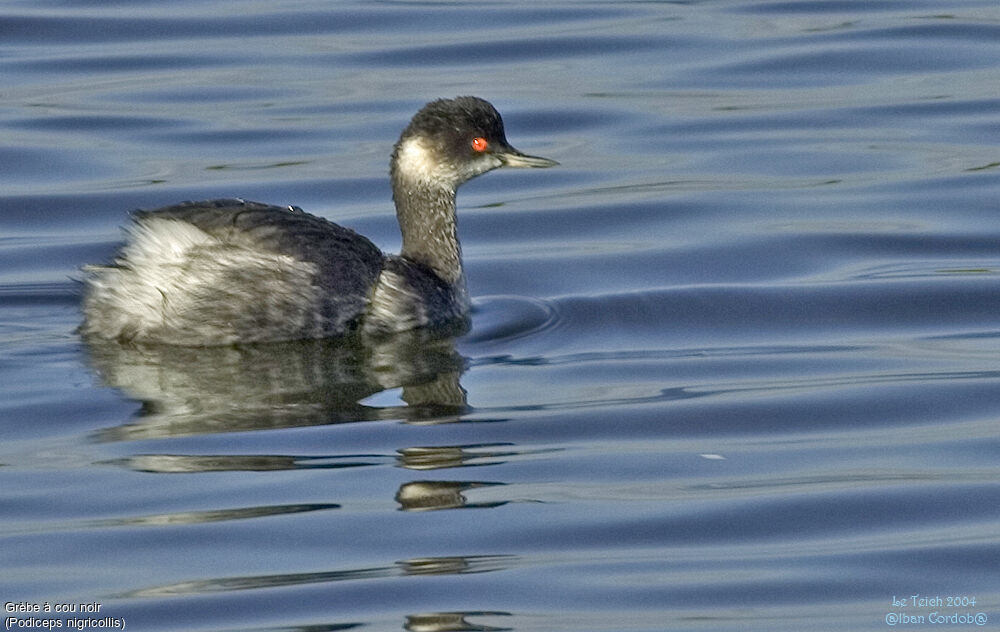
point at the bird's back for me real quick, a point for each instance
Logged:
(228, 271)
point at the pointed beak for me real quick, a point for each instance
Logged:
(513, 158)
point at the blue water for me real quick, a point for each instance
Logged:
(734, 365)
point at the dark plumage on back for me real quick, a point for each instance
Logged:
(348, 264)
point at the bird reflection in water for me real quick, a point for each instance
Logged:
(193, 391)
(451, 622)
(202, 390)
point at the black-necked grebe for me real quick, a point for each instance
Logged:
(228, 271)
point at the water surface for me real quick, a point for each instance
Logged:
(733, 366)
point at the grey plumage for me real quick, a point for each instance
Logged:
(226, 271)
(259, 273)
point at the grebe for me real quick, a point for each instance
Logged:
(230, 271)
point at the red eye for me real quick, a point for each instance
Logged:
(479, 144)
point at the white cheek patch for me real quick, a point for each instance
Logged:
(416, 161)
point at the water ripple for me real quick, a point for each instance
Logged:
(733, 364)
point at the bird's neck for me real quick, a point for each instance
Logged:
(426, 215)
(424, 192)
